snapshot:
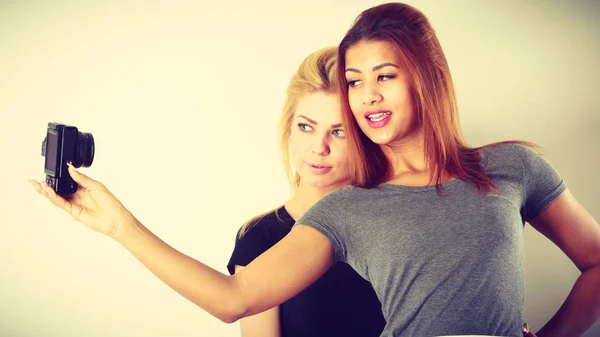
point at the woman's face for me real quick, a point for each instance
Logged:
(379, 93)
(317, 141)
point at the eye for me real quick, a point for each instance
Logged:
(385, 77)
(353, 83)
(304, 127)
(338, 133)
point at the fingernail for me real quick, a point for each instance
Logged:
(525, 327)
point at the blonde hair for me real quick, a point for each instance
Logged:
(316, 73)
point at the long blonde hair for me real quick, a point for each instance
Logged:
(316, 73)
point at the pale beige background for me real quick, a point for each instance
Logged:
(183, 100)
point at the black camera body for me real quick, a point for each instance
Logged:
(65, 144)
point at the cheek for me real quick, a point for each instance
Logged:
(341, 156)
(295, 147)
(401, 97)
(296, 157)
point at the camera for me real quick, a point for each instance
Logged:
(64, 144)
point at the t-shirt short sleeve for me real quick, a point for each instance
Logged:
(328, 216)
(247, 248)
(542, 183)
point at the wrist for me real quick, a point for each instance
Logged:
(125, 229)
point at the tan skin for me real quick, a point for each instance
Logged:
(253, 290)
(270, 279)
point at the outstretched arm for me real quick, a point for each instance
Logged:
(280, 273)
(577, 234)
(275, 276)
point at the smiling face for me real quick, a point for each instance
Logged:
(317, 141)
(379, 92)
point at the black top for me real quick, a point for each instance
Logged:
(340, 303)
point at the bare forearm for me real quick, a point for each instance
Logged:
(580, 310)
(209, 289)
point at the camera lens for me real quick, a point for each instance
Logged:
(84, 152)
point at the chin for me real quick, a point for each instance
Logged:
(381, 139)
(323, 183)
(378, 136)
(320, 183)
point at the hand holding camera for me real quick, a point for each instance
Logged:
(92, 204)
(86, 200)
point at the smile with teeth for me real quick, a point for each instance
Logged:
(379, 116)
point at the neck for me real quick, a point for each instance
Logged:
(306, 196)
(409, 163)
(407, 155)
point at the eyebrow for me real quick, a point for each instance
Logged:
(375, 68)
(315, 122)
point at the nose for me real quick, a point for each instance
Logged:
(371, 95)
(320, 146)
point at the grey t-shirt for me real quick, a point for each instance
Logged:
(443, 265)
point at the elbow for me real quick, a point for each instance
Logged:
(232, 313)
(232, 307)
(228, 318)
(226, 313)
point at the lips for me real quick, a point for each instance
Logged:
(376, 114)
(319, 165)
(318, 168)
(378, 118)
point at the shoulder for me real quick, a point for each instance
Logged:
(335, 199)
(351, 192)
(525, 155)
(505, 150)
(512, 156)
(341, 199)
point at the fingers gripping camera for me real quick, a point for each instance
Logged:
(64, 144)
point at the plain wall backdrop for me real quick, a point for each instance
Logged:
(183, 99)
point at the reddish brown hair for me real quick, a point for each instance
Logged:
(432, 93)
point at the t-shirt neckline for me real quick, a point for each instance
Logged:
(408, 188)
